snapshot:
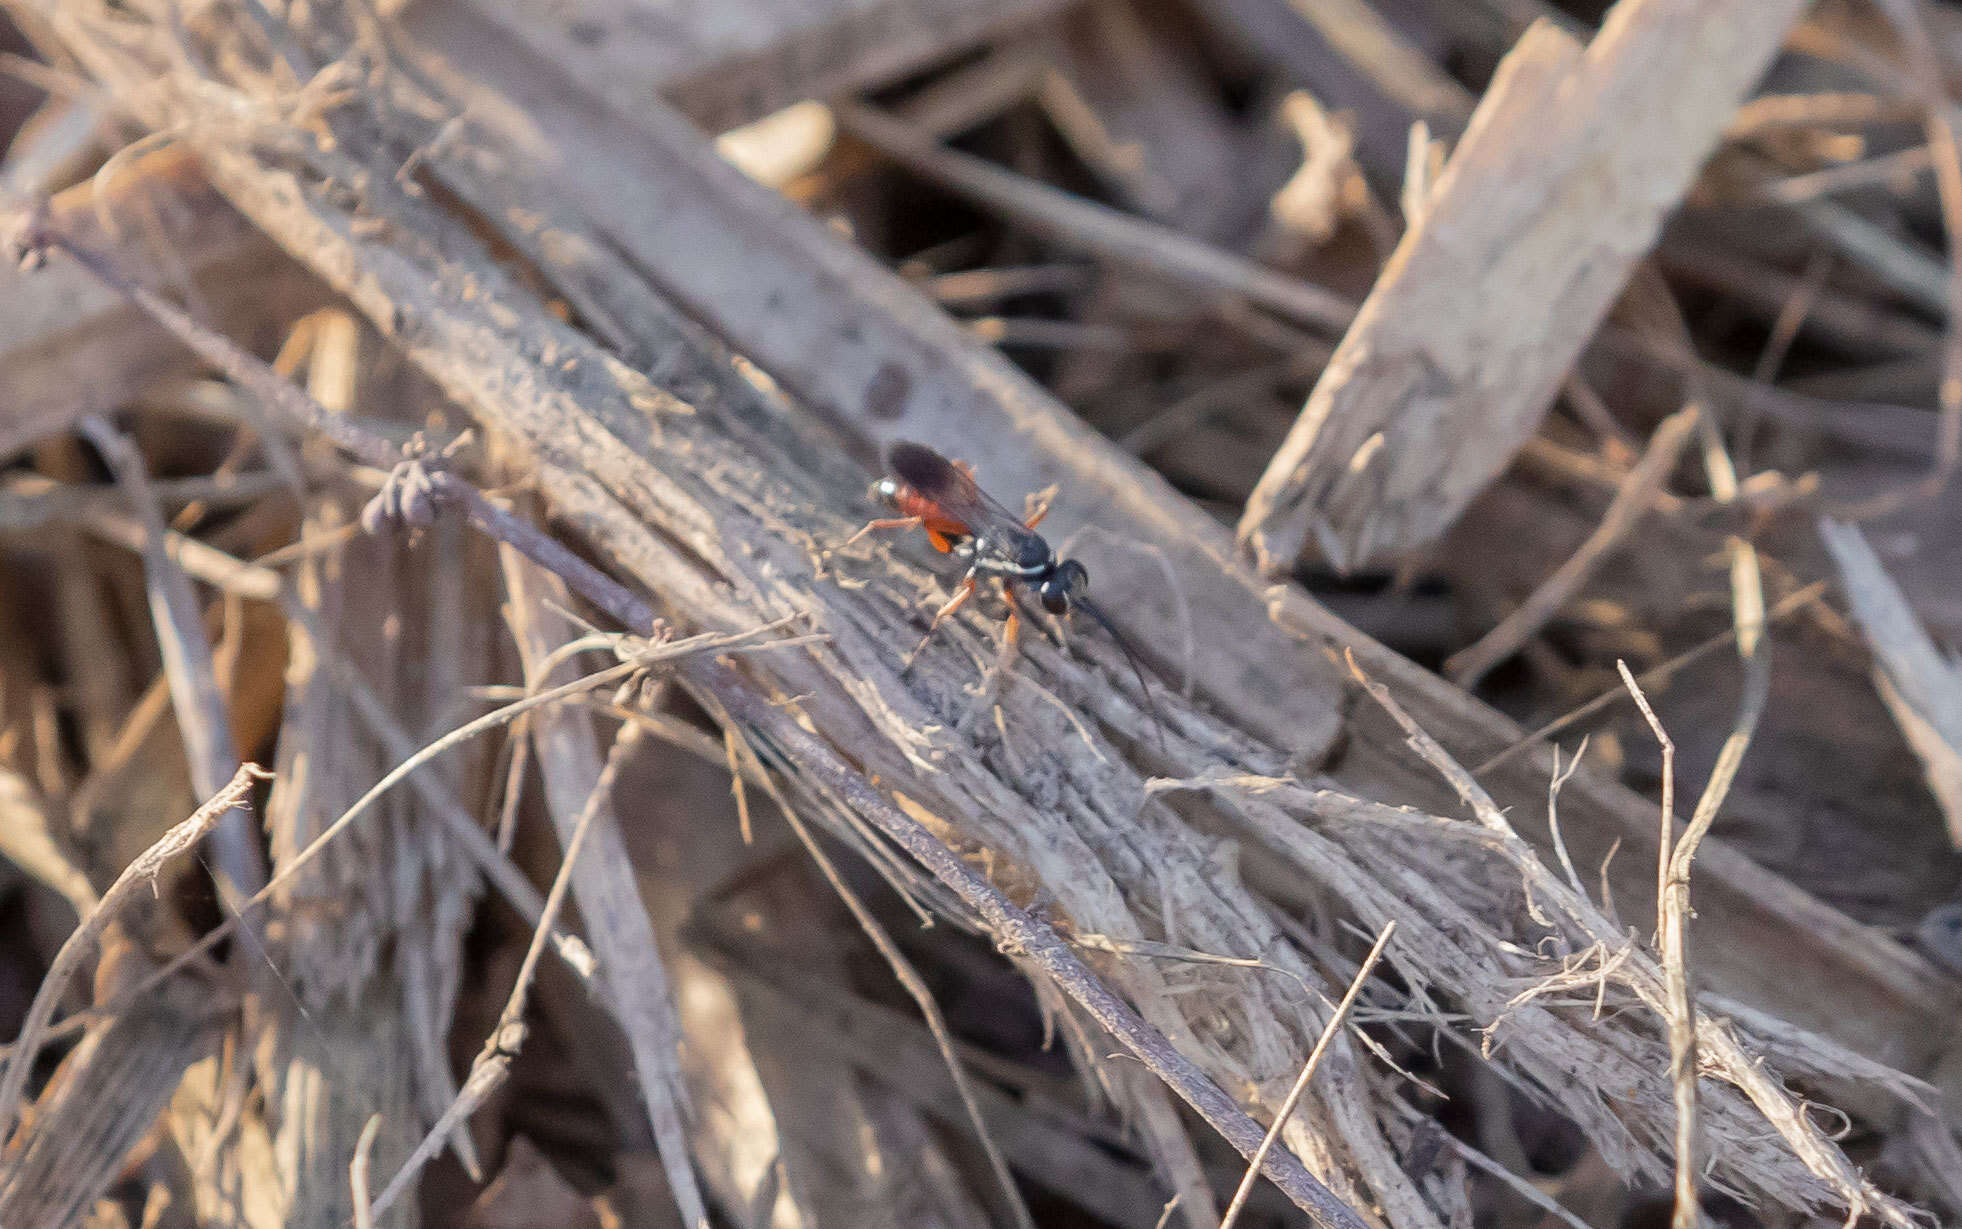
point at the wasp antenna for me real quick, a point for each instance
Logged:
(1157, 719)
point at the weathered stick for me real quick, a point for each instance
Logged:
(1558, 187)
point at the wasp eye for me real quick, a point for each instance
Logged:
(884, 491)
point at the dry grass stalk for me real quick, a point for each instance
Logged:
(743, 761)
(201, 712)
(1560, 183)
(1045, 1139)
(1335, 1022)
(493, 1065)
(1920, 684)
(357, 1174)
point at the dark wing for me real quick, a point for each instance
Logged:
(950, 486)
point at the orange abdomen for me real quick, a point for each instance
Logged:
(941, 528)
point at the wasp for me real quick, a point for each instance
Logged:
(940, 496)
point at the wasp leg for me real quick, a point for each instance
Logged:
(960, 598)
(1011, 630)
(894, 522)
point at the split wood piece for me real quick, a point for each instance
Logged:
(1558, 187)
(733, 61)
(70, 347)
(854, 342)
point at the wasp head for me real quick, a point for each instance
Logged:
(1063, 586)
(884, 491)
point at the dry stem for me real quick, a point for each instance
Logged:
(1293, 1098)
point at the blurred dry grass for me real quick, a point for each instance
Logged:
(1402, 371)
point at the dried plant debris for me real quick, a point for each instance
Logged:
(424, 402)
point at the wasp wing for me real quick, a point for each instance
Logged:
(952, 489)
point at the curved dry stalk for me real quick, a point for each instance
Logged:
(78, 945)
(201, 710)
(357, 1172)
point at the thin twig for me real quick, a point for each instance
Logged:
(1638, 490)
(1293, 1098)
(1654, 678)
(1469, 791)
(1095, 229)
(1554, 784)
(302, 412)
(237, 364)
(1667, 838)
(85, 937)
(357, 1173)
(742, 760)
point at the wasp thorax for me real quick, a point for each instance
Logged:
(1031, 552)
